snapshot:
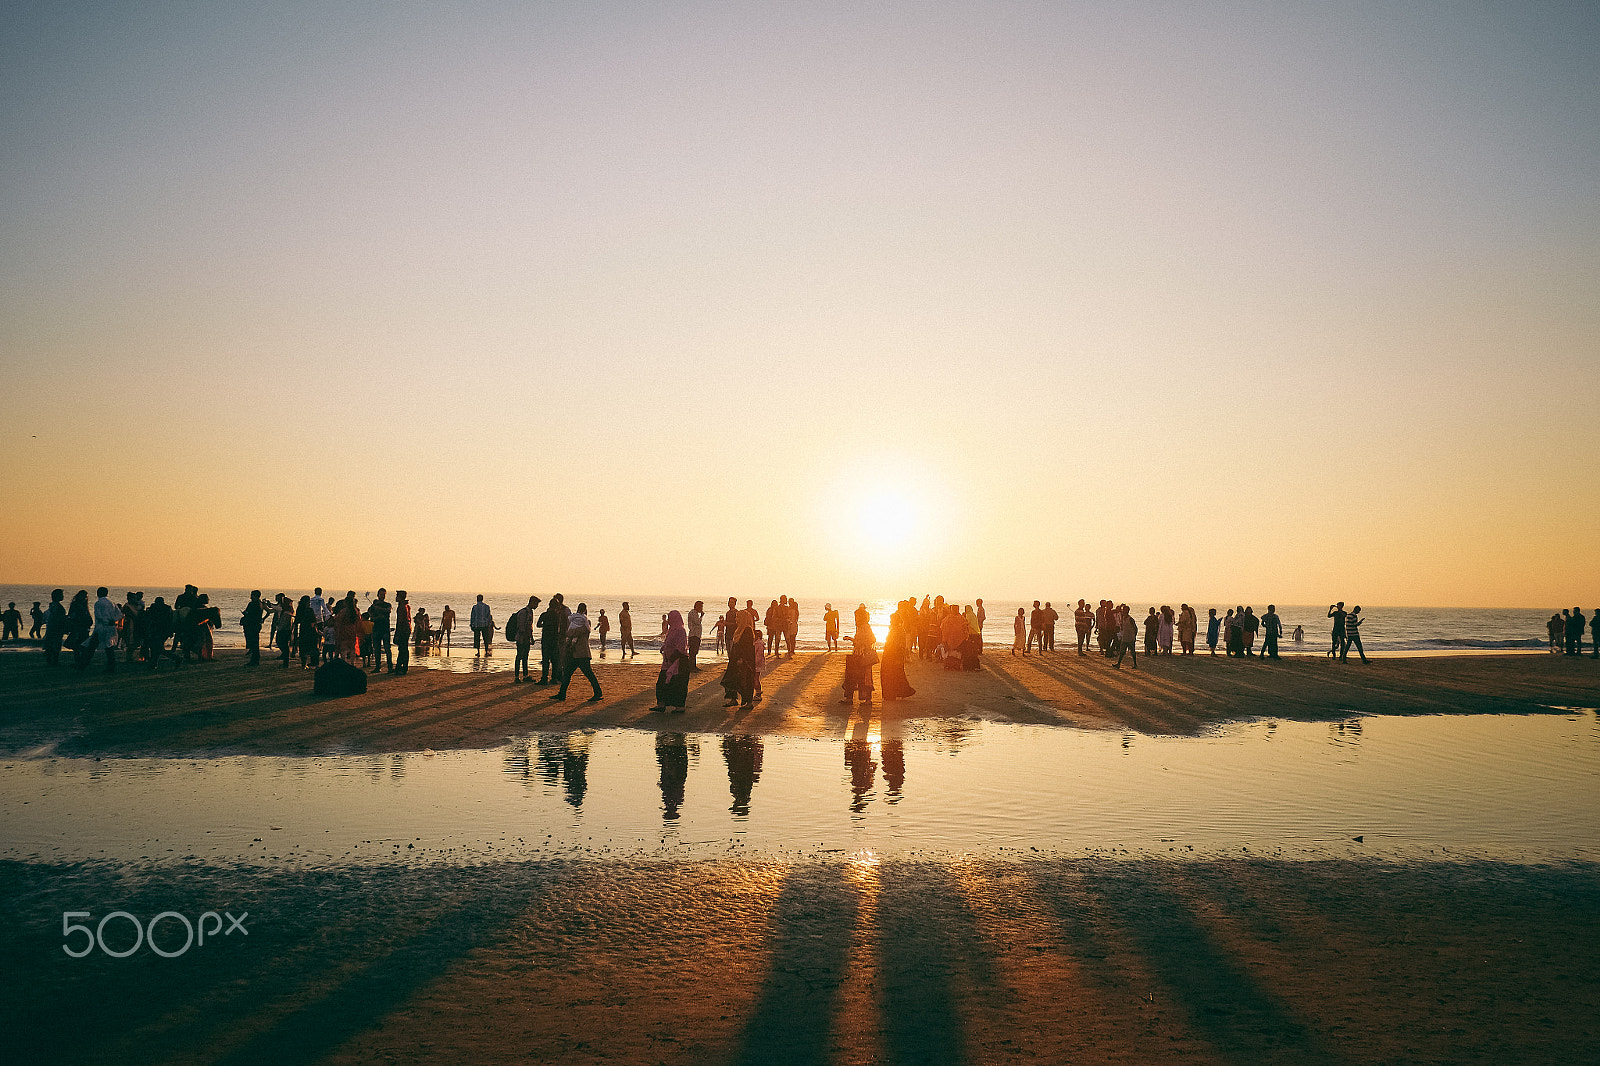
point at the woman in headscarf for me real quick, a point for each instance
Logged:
(347, 628)
(1164, 631)
(80, 623)
(858, 664)
(672, 683)
(902, 624)
(210, 620)
(309, 636)
(739, 679)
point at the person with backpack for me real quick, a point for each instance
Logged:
(520, 628)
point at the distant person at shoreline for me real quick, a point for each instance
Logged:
(1019, 634)
(791, 625)
(665, 626)
(1152, 632)
(552, 636)
(251, 621)
(1035, 629)
(1352, 634)
(402, 632)
(602, 629)
(158, 625)
(576, 653)
(830, 627)
(482, 622)
(447, 623)
(1576, 624)
(1249, 627)
(1051, 617)
(1299, 634)
(672, 682)
(1336, 612)
(103, 634)
(697, 620)
(1188, 626)
(282, 627)
(983, 616)
(1127, 635)
(80, 623)
(1271, 630)
(307, 634)
(380, 614)
(10, 623)
(1557, 630)
(1165, 631)
(1083, 624)
(625, 631)
(1213, 630)
(37, 629)
(523, 631)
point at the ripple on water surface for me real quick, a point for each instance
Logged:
(1514, 787)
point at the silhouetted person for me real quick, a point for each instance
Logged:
(602, 629)
(482, 623)
(527, 631)
(552, 635)
(791, 625)
(80, 623)
(381, 614)
(625, 631)
(36, 630)
(251, 621)
(158, 626)
(576, 652)
(1083, 625)
(697, 618)
(1050, 618)
(402, 633)
(1337, 613)
(307, 634)
(447, 625)
(830, 628)
(10, 623)
(1576, 624)
(1213, 630)
(1127, 636)
(103, 634)
(1271, 630)
(1352, 634)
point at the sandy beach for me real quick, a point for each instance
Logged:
(227, 707)
(846, 960)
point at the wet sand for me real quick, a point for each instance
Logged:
(227, 707)
(859, 960)
(969, 961)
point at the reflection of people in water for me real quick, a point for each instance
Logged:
(566, 758)
(743, 754)
(894, 767)
(858, 757)
(672, 753)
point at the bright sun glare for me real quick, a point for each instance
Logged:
(888, 520)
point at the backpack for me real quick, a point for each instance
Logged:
(511, 628)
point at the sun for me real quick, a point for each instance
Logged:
(888, 521)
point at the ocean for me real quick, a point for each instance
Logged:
(1387, 631)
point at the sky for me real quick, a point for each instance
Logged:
(1278, 301)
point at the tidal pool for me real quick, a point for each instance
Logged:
(1520, 788)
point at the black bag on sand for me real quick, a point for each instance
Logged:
(338, 678)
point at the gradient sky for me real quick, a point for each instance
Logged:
(1177, 301)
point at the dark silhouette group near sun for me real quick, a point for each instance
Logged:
(315, 629)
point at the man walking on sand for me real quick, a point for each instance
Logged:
(577, 653)
(482, 623)
(1127, 636)
(1352, 635)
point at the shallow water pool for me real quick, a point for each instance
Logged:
(1515, 787)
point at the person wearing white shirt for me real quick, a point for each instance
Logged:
(104, 635)
(696, 618)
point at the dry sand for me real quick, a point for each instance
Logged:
(977, 960)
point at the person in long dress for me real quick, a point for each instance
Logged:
(859, 663)
(892, 668)
(739, 679)
(1188, 626)
(1019, 634)
(1164, 630)
(672, 683)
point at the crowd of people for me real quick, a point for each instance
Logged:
(315, 629)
